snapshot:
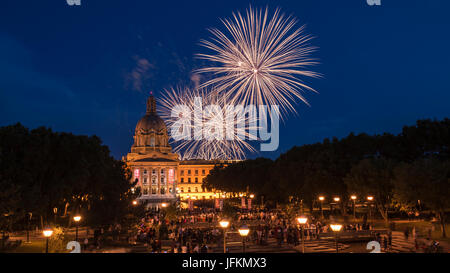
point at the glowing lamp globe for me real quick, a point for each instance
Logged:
(336, 227)
(244, 230)
(47, 232)
(224, 223)
(302, 220)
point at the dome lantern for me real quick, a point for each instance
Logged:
(151, 131)
(151, 104)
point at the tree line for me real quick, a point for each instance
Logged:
(398, 170)
(47, 176)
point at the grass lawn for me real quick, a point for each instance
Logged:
(422, 228)
(37, 246)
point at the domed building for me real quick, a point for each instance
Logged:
(151, 158)
(162, 177)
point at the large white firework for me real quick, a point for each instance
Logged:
(204, 148)
(260, 60)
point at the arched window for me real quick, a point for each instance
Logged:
(152, 141)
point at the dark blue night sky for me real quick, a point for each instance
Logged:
(88, 69)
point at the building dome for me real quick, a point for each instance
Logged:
(150, 122)
(151, 131)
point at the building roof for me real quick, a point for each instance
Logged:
(154, 159)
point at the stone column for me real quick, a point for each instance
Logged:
(158, 182)
(162, 185)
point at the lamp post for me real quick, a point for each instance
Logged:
(336, 228)
(47, 233)
(243, 231)
(301, 221)
(55, 211)
(370, 199)
(321, 198)
(77, 219)
(224, 224)
(353, 197)
(336, 199)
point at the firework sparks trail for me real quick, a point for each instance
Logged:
(260, 60)
(204, 148)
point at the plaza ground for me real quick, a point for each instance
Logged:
(234, 243)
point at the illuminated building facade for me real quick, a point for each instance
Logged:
(161, 176)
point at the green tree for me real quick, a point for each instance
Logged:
(41, 170)
(427, 180)
(373, 176)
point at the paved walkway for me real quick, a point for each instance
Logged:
(321, 246)
(401, 245)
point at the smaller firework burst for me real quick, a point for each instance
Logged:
(209, 137)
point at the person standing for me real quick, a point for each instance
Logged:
(85, 244)
(406, 233)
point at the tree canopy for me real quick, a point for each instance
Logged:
(340, 167)
(43, 172)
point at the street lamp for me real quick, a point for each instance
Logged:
(353, 197)
(301, 221)
(321, 198)
(336, 228)
(164, 205)
(77, 219)
(370, 199)
(243, 231)
(336, 199)
(134, 202)
(47, 233)
(252, 196)
(224, 224)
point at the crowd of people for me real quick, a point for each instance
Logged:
(197, 231)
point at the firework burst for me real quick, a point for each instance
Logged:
(204, 148)
(259, 60)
